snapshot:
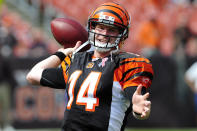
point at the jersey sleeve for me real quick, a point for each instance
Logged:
(191, 73)
(53, 77)
(135, 71)
(65, 66)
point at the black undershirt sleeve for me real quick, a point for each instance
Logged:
(53, 77)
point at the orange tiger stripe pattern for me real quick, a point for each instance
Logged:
(134, 71)
(65, 65)
(115, 10)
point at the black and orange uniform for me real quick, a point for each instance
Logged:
(99, 90)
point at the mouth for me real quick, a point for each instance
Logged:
(103, 41)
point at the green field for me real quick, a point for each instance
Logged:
(162, 129)
(132, 129)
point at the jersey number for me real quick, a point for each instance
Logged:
(87, 92)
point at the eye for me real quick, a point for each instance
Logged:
(113, 30)
(102, 27)
(99, 28)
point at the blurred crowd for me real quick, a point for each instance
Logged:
(163, 30)
(19, 38)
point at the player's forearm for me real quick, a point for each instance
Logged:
(50, 62)
(35, 74)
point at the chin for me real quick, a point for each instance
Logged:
(102, 50)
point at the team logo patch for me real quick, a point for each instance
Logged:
(90, 65)
(106, 19)
(145, 80)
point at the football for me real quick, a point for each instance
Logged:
(68, 31)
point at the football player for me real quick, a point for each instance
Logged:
(104, 85)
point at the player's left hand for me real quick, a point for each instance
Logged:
(140, 103)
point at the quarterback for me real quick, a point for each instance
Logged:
(103, 85)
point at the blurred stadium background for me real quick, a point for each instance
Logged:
(165, 31)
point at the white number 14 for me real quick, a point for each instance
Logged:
(87, 92)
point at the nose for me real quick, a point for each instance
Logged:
(104, 32)
(102, 36)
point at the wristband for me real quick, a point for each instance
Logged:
(60, 55)
(137, 115)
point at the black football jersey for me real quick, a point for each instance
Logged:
(96, 89)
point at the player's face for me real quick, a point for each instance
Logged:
(103, 32)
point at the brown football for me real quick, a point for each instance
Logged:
(68, 31)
